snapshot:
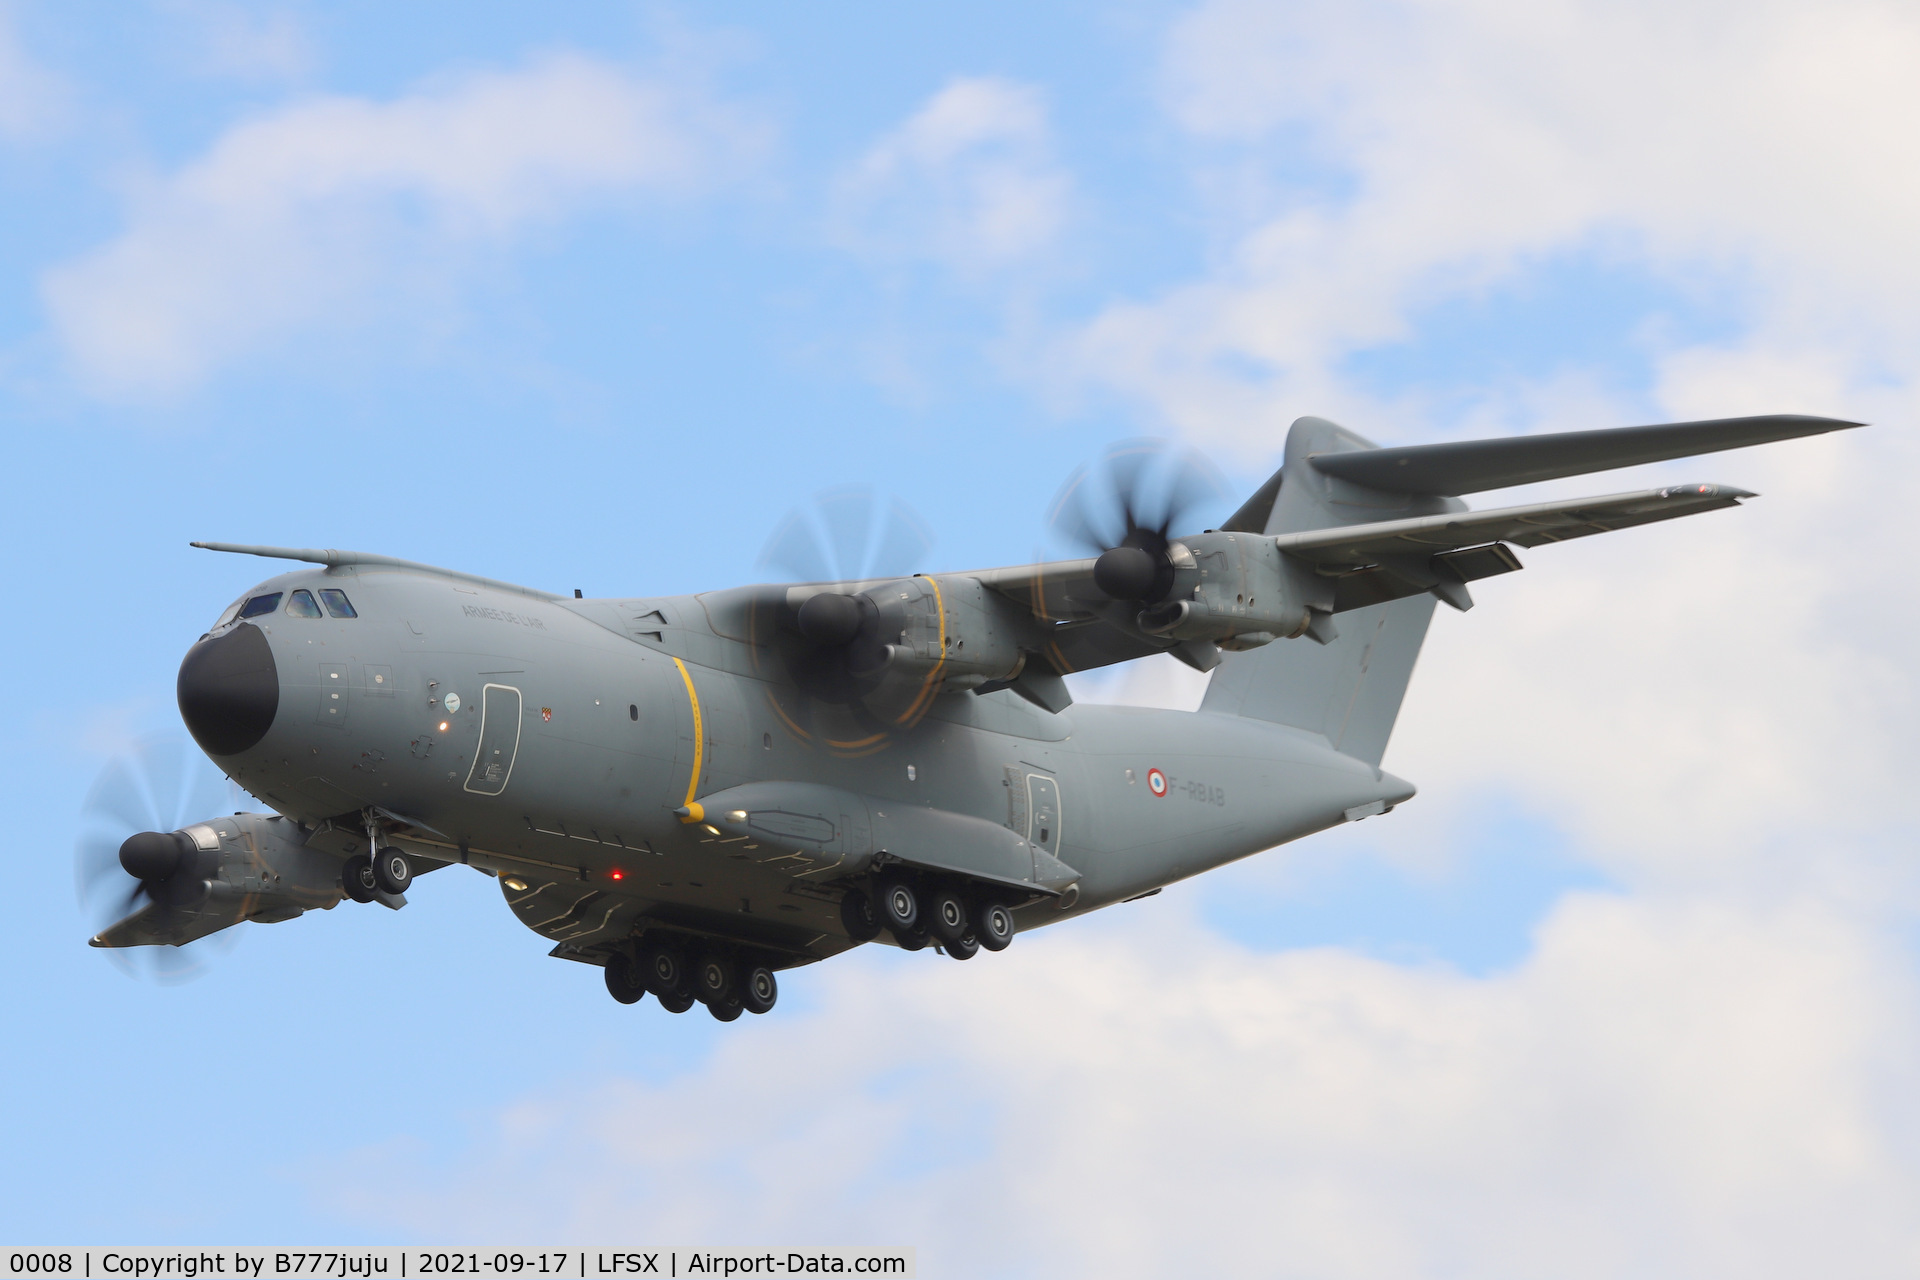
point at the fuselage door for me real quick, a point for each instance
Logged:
(499, 740)
(1043, 813)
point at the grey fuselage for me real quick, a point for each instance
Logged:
(587, 815)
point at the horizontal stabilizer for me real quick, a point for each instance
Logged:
(1471, 466)
(1528, 526)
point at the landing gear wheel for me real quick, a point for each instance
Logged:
(947, 916)
(676, 1002)
(664, 970)
(758, 990)
(911, 939)
(858, 917)
(392, 871)
(899, 905)
(993, 925)
(623, 980)
(964, 947)
(356, 879)
(713, 982)
(725, 1010)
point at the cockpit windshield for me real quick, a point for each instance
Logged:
(260, 604)
(302, 605)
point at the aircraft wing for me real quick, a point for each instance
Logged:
(1529, 526)
(1087, 629)
(1370, 563)
(157, 925)
(1053, 591)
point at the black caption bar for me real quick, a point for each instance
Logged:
(451, 1264)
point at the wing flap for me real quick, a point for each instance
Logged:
(1530, 526)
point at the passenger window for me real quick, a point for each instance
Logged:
(302, 605)
(260, 604)
(337, 604)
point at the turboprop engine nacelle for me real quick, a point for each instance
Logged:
(948, 628)
(1237, 590)
(213, 874)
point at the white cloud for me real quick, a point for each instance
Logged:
(968, 181)
(1673, 1090)
(336, 207)
(1762, 148)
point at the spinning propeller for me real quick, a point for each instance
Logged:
(1125, 509)
(835, 645)
(845, 537)
(131, 853)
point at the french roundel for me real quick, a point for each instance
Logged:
(1156, 782)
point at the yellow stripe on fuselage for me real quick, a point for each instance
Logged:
(699, 738)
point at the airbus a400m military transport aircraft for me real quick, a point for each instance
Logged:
(696, 792)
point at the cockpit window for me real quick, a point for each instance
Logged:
(259, 605)
(338, 605)
(302, 605)
(232, 612)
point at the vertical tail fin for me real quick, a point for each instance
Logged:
(1350, 688)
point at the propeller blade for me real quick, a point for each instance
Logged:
(175, 966)
(829, 648)
(795, 549)
(118, 798)
(841, 536)
(157, 787)
(1190, 487)
(96, 867)
(1127, 507)
(847, 514)
(904, 543)
(1069, 518)
(1137, 486)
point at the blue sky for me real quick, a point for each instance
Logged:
(593, 298)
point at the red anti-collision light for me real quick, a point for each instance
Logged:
(618, 874)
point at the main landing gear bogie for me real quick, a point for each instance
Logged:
(728, 984)
(918, 913)
(624, 980)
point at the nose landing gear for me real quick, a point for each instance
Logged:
(392, 871)
(357, 879)
(385, 869)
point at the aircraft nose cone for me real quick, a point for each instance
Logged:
(229, 690)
